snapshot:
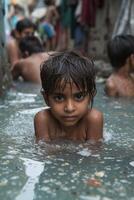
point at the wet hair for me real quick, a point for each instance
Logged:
(119, 49)
(68, 67)
(24, 24)
(30, 44)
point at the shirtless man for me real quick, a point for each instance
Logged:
(121, 56)
(24, 27)
(29, 66)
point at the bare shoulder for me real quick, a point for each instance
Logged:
(11, 43)
(95, 115)
(41, 116)
(95, 124)
(41, 124)
(110, 87)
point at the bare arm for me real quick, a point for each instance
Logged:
(95, 125)
(13, 52)
(41, 127)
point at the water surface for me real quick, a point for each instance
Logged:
(64, 171)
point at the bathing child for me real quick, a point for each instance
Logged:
(24, 27)
(121, 56)
(68, 88)
(28, 68)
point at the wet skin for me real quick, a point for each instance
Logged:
(69, 116)
(70, 105)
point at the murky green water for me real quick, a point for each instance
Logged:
(61, 171)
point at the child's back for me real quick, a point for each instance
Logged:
(121, 56)
(24, 27)
(29, 67)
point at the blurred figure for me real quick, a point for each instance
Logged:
(23, 28)
(47, 25)
(33, 54)
(121, 56)
(15, 13)
(65, 19)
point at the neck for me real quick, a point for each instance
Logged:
(124, 71)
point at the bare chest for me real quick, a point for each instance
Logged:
(76, 133)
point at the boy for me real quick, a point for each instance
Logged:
(121, 56)
(24, 27)
(29, 67)
(68, 87)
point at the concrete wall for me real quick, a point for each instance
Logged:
(5, 76)
(105, 21)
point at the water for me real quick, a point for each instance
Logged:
(64, 171)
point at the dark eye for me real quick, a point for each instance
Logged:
(58, 98)
(79, 96)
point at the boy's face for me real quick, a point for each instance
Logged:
(68, 106)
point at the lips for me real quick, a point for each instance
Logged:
(69, 118)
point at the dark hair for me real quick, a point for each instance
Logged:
(70, 67)
(31, 44)
(48, 2)
(23, 24)
(119, 49)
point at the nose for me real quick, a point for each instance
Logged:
(69, 106)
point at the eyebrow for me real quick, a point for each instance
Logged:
(57, 93)
(62, 93)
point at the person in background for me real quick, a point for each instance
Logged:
(65, 23)
(15, 13)
(68, 88)
(121, 56)
(47, 25)
(24, 27)
(28, 68)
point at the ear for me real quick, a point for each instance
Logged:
(131, 61)
(17, 34)
(26, 54)
(132, 58)
(45, 97)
